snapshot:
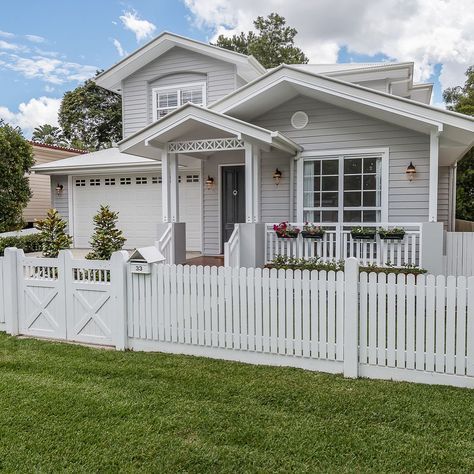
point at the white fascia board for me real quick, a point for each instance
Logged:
(111, 78)
(86, 169)
(353, 92)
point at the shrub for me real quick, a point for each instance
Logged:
(53, 235)
(28, 243)
(106, 239)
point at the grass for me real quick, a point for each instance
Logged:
(72, 408)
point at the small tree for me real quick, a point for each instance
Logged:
(106, 239)
(16, 159)
(53, 234)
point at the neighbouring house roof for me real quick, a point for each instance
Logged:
(286, 82)
(247, 66)
(110, 158)
(193, 119)
(56, 147)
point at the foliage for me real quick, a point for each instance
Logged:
(49, 135)
(16, 159)
(461, 99)
(394, 231)
(53, 234)
(313, 229)
(272, 44)
(363, 231)
(106, 238)
(285, 230)
(28, 243)
(69, 408)
(91, 117)
(292, 263)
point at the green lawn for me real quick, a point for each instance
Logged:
(65, 407)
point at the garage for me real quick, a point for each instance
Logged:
(137, 198)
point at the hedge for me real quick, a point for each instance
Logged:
(29, 243)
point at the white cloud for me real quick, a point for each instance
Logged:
(35, 38)
(7, 46)
(51, 70)
(428, 32)
(33, 113)
(6, 34)
(142, 29)
(119, 48)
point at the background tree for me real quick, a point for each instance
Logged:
(16, 159)
(461, 99)
(273, 43)
(106, 238)
(91, 117)
(49, 135)
(53, 234)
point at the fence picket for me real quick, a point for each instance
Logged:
(420, 323)
(331, 347)
(410, 321)
(306, 314)
(381, 318)
(401, 321)
(363, 326)
(461, 327)
(450, 323)
(297, 313)
(440, 322)
(372, 319)
(290, 321)
(281, 312)
(391, 319)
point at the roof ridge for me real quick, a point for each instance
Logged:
(58, 147)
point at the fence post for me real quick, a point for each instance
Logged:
(10, 266)
(351, 317)
(118, 281)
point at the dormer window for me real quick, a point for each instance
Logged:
(167, 99)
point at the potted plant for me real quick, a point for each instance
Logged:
(284, 230)
(397, 233)
(363, 233)
(312, 231)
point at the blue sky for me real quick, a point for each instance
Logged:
(48, 47)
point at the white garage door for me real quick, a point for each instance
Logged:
(137, 198)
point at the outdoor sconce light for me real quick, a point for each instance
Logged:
(209, 182)
(59, 189)
(411, 171)
(277, 176)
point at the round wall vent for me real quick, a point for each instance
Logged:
(299, 119)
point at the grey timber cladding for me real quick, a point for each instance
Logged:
(335, 128)
(176, 66)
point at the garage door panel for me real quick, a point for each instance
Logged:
(139, 208)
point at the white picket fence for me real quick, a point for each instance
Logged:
(373, 325)
(459, 258)
(338, 244)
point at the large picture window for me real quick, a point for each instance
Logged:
(167, 99)
(342, 189)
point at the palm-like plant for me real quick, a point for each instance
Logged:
(49, 135)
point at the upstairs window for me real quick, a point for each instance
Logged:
(167, 99)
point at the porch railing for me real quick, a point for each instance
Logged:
(338, 244)
(165, 245)
(232, 249)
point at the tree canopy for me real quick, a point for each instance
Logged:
(49, 135)
(16, 159)
(461, 99)
(272, 44)
(91, 117)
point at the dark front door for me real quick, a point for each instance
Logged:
(233, 199)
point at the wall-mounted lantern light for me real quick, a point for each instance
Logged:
(277, 176)
(411, 171)
(209, 182)
(59, 189)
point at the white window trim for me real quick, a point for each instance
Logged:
(384, 153)
(178, 89)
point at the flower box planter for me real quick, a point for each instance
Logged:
(398, 236)
(286, 236)
(367, 236)
(309, 235)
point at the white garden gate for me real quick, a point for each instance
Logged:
(63, 298)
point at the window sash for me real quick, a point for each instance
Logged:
(314, 170)
(194, 93)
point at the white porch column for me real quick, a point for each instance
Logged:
(433, 188)
(249, 182)
(299, 189)
(257, 158)
(174, 189)
(165, 186)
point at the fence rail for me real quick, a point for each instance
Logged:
(338, 244)
(375, 325)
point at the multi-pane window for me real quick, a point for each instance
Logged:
(125, 181)
(141, 180)
(94, 182)
(342, 189)
(109, 181)
(168, 99)
(80, 182)
(192, 178)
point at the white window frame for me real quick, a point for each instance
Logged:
(178, 90)
(383, 153)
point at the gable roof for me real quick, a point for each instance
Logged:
(247, 66)
(286, 82)
(182, 120)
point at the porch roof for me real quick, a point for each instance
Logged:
(195, 122)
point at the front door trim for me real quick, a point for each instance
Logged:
(219, 199)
